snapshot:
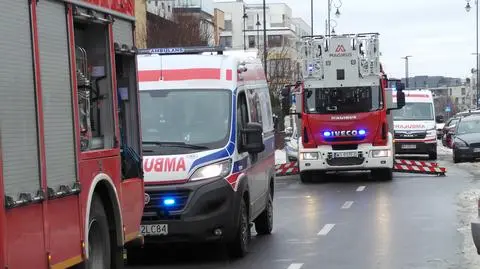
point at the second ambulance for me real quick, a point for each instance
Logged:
(414, 125)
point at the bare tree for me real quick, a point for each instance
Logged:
(186, 29)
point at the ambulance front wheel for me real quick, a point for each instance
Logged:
(432, 156)
(306, 176)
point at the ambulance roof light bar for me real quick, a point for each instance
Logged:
(182, 50)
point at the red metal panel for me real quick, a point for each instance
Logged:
(25, 237)
(132, 206)
(3, 217)
(40, 124)
(65, 237)
(124, 6)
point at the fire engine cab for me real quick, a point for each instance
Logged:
(345, 107)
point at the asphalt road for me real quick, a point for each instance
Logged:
(415, 222)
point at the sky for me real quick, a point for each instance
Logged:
(438, 34)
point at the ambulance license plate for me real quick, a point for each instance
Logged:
(409, 146)
(352, 154)
(154, 229)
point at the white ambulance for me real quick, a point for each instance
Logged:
(208, 144)
(415, 125)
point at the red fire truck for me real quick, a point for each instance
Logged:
(71, 178)
(345, 107)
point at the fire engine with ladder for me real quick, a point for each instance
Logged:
(71, 175)
(344, 107)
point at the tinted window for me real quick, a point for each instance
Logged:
(343, 100)
(468, 126)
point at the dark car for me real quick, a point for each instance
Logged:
(448, 131)
(466, 140)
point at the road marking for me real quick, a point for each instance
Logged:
(347, 204)
(361, 188)
(295, 266)
(326, 229)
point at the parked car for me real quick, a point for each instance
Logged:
(291, 146)
(447, 132)
(466, 139)
(440, 123)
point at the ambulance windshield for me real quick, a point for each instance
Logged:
(414, 111)
(182, 121)
(343, 100)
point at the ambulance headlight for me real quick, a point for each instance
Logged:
(220, 169)
(381, 153)
(432, 132)
(310, 155)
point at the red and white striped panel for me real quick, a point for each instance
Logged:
(285, 169)
(417, 163)
(419, 169)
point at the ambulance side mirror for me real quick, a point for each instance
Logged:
(400, 99)
(297, 104)
(253, 138)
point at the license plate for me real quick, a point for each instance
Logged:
(409, 146)
(352, 154)
(154, 229)
(476, 150)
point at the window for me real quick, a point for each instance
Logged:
(343, 100)
(242, 119)
(169, 8)
(463, 100)
(163, 5)
(463, 91)
(251, 41)
(97, 128)
(254, 106)
(226, 41)
(275, 41)
(414, 111)
(228, 25)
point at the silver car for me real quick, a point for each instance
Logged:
(291, 145)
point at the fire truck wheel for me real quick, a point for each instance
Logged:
(264, 222)
(239, 246)
(384, 174)
(306, 177)
(99, 249)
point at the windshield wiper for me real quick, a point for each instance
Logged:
(175, 144)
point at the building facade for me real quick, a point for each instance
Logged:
(244, 30)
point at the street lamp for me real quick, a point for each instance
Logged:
(258, 31)
(468, 8)
(265, 38)
(333, 27)
(406, 70)
(245, 16)
(337, 13)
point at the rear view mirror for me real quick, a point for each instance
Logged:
(439, 119)
(400, 99)
(253, 138)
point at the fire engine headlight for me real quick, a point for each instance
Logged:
(310, 155)
(220, 169)
(381, 153)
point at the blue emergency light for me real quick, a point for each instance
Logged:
(359, 132)
(168, 202)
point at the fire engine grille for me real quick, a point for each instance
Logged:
(345, 147)
(345, 161)
(410, 135)
(156, 210)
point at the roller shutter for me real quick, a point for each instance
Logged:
(123, 32)
(57, 94)
(18, 119)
